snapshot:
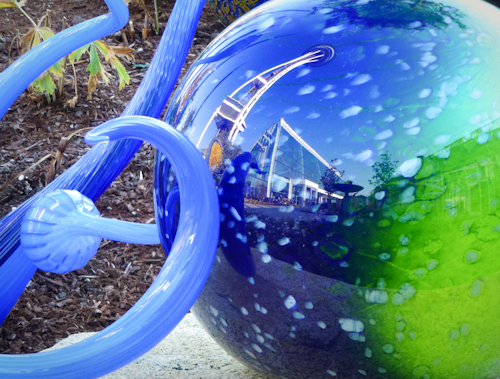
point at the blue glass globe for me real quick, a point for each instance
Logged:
(355, 146)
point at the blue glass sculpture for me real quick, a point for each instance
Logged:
(355, 146)
(48, 238)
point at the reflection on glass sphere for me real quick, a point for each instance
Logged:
(230, 10)
(356, 149)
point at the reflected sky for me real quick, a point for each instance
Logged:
(411, 83)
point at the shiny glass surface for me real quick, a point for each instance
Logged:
(389, 267)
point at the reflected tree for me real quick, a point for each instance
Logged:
(383, 170)
(396, 14)
(331, 177)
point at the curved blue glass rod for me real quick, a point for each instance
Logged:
(19, 75)
(95, 171)
(178, 284)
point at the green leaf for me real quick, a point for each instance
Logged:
(7, 4)
(103, 48)
(45, 85)
(77, 54)
(56, 69)
(94, 65)
(122, 73)
(45, 33)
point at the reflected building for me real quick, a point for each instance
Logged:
(293, 169)
(231, 115)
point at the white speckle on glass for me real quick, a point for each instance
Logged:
(290, 302)
(384, 256)
(266, 258)
(476, 288)
(313, 115)
(383, 135)
(244, 311)
(388, 348)
(376, 297)
(351, 111)
(410, 167)
(259, 224)
(334, 29)
(331, 95)
(483, 138)
(306, 90)
(432, 112)
(214, 311)
(384, 49)
(413, 131)
(262, 247)
(298, 315)
(250, 353)
(351, 325)
(257, 348)
(425, 93)
(476, 93)
(291, 110)
(256, 328)
(444, 154)
(472, 256)
(283, 241)
(361, 79)
(432, 264)
(235, 213)
(442, 139)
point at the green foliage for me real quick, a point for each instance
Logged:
(10, 4)
(45, 84)
(331, 177)
(383, 170)
(95, 68)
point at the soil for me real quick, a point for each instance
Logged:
(55, 306)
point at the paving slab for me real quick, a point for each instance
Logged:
(187, 352)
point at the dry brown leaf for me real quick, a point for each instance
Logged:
(72, 102)
(122, 51)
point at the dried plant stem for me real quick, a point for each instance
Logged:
(29, 18)
(60, 81)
